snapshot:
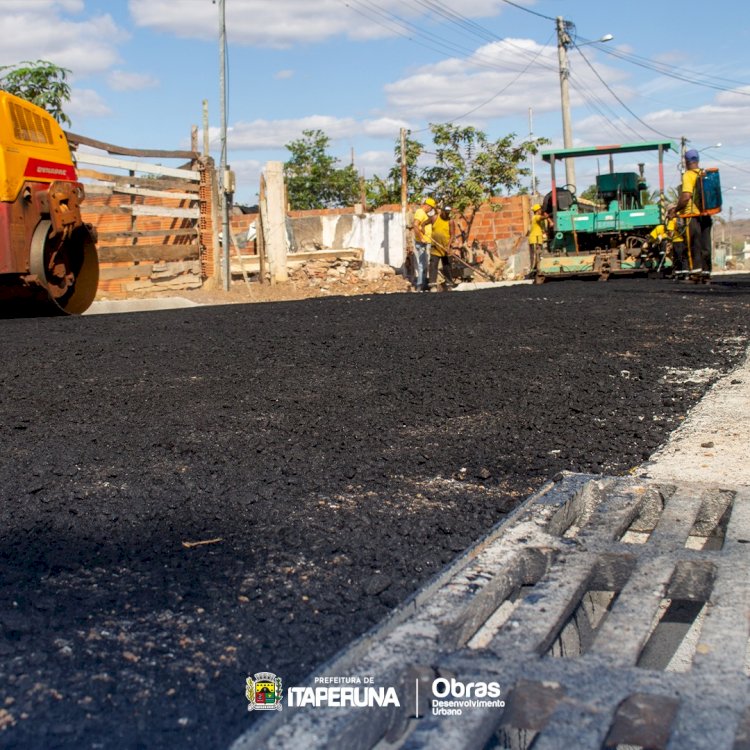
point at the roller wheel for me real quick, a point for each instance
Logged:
(68, 269)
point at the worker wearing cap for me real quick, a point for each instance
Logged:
(669, 240)
(537, 234)
(698, 226)
(422, 229)
(440, 249)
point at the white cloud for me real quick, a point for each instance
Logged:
(282, 22)
(86, 103)
(371, 163)
(739, 97)
(121, 80)
(500, 79)
(711, 123)
(263, 134)
(70, 6)
(384, 127)
(283, 74)
(83, 46)
(275, 134)
(269, 24)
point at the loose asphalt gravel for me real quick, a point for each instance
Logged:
(330, 456)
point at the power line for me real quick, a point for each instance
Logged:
(669, 73)
(599, 107)
(728, 164)
(401, 27)
(457, 19)
(622, 103)
(502, 90)
(528, 10)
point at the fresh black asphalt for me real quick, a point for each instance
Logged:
(329, 456)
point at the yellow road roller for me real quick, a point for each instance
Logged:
(48, 257)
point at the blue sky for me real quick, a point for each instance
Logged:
(359, 70)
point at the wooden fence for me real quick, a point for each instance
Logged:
(157, 224)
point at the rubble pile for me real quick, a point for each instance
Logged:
(341, 274)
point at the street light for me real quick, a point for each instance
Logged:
(708, 148)
(563, 42)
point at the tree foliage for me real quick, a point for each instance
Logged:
(40, 82)
(470, 170)
(465, 170)
(313, 177)
(591, 193)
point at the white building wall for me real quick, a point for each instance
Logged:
(380, 236)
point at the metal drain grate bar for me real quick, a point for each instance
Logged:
(612, 612)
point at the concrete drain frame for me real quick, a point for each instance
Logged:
(612, 612)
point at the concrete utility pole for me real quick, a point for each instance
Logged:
(225, 238)
(683, 149)
(403, 189)
(531, 135)
(563, 41)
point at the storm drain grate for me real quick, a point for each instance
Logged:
(612, 613)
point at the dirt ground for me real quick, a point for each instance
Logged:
(190, 496)
(300, 286)
(315, 279)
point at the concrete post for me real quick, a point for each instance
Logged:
(274, 232)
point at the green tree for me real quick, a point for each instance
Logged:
(313, 177)
(469, 169)
(40, 82)
(591, 193)
(384, 191)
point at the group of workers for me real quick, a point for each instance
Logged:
(433, 245)
(685, 226)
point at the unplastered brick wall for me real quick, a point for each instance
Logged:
(106, 214)
(148, 263)
(167, 259)
(499, 224)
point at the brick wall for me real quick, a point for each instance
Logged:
(180, 253)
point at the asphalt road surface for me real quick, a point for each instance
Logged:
(191, 496)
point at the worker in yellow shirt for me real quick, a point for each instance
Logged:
(669, 240)
(698, 225)
(676, 238)
(537, 235)
(440, 249)
(422, 228)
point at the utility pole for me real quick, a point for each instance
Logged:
(563, 41)
(531, 135)
(403, 189)
(225, 238)
(683, 148)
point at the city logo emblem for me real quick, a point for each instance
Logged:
(264, 692)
